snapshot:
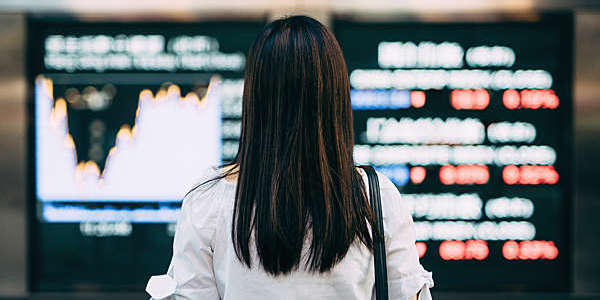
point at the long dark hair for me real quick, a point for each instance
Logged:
(296, 173)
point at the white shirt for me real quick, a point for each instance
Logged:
(204, 265)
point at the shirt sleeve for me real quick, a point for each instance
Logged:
(406, 275)
(190, 274)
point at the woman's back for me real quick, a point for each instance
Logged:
(289, 218)
(204, 263)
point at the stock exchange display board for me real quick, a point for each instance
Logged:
(124, 115)
(473, 123)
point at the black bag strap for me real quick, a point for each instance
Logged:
(381, 286)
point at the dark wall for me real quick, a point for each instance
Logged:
(12, 155)
(587, 154)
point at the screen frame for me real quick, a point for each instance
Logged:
(34, 21)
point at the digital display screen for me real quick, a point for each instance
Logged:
(125, 118)
(471, 121)
(473, 124)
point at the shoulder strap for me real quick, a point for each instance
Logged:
(381, 287)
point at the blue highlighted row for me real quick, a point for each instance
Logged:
(379, 99)
(75, 214)
(398, 174)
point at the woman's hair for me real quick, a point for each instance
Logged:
(296, 173)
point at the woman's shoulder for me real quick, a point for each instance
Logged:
(205, 182)
(203, 201)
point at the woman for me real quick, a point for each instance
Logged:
(289, 217)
